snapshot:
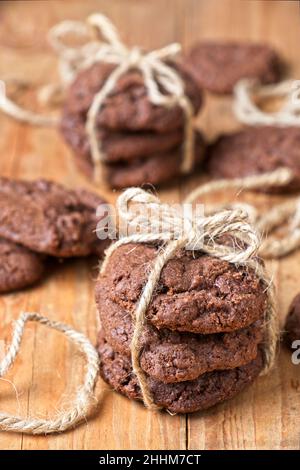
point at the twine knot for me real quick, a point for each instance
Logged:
(163, 84)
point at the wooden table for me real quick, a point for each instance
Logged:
(48, 369)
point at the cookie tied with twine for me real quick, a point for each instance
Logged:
(172, 231)
(247, 92)
(163, 84)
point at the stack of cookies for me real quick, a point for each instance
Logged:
(41, 219)
(202, 341)
(141, 143)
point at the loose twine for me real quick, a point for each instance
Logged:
(173, 231)
(84, 402)
(246, 91)
(157, 76)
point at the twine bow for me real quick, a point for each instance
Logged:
(170, 229)
(162, 222)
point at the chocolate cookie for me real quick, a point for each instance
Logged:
(118, 146)
(256, 150)
(171, 356)
(184, 397)
(218, 66)
(48, 218)
(292, 323)
(19, 267)
(128, 106)
(196, 293)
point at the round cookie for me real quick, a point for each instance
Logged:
(19, 267)
(256, 150)
(292, 323)
(184, 397)
(196, 293)
(117, 146)
(128, 106)
(171, 356)
(218, 66)
(48, 218)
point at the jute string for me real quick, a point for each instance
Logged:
(197, 233)
(247, 91)
(84, 402)
(284, 217)
(163, 84)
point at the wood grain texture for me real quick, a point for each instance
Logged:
(48, 369)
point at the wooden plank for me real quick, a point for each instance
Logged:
(49, 369)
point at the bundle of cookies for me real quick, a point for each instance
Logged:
(41, 219)
(140, 142)
(205, 327)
